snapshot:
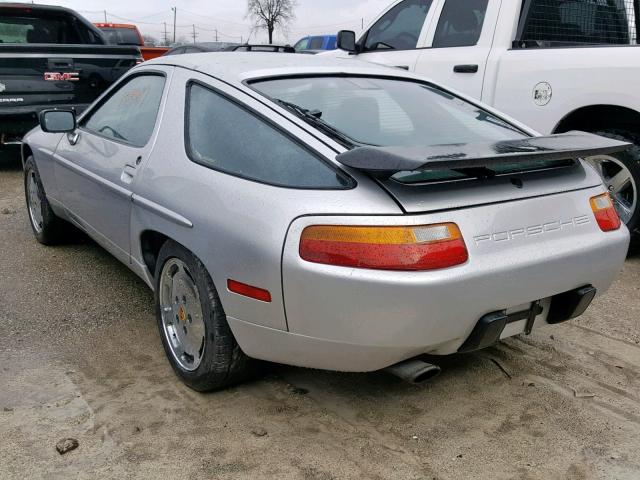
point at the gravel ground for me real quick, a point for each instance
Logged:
(80, 357)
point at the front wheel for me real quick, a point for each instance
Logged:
(620, 173)
(47, 227)
(193, 326)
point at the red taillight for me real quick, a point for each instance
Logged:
(605, 213)
(248, 291)
(425, 247)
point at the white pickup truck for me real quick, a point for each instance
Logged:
(556, 65)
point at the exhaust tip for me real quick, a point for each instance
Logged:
(415, 372)
(428, 374)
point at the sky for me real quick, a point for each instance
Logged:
(226, 16)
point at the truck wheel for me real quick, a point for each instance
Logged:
(193, 326)
(620, 173)
(47, 227)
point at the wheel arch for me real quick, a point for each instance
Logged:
(151, 242)
(600, 117)
(25, 152)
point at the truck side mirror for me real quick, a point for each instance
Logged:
(347, 41)
(58, 121)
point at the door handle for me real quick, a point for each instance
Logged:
(128, 172)
(403, 67)
(465, 68)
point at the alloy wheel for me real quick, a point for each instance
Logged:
(182, 316)
(33, 201)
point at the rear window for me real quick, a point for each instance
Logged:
(392, 112)
(460, 23)
(34, 27)
(571, 22)
(121, 36)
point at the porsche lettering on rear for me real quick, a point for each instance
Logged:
(533, 230)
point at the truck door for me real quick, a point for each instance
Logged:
(395, 38)
(459, 44)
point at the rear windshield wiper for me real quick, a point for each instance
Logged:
(313, 117)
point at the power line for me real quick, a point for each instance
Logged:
(199, 15)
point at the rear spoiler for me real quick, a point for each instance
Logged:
(384, 162)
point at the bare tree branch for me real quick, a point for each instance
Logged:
(270, 15)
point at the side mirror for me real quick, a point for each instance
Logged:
(347, 41)
(58, 121)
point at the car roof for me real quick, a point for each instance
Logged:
(236, 67)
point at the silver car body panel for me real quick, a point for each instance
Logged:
(322, 316)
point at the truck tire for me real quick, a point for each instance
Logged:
(627, 200)
(193, 326)
(48, 228)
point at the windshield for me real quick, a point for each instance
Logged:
(389, 112)
(121, 36)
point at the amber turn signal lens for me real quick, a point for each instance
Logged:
(605, 213)
(424, 247)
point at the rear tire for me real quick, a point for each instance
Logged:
(48, 228)
(193, 326)
(627, 201)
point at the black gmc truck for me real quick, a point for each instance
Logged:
(51, 57)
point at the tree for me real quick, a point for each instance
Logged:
(271, 14)
(150, 40)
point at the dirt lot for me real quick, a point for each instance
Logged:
(80, 357)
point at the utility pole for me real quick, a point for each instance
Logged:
(362, 27)
(166, 35)
(105, 17)
(216, 34)
(636, 5)
(175, 14)
(194, 33)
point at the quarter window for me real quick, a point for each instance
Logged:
(225, 136)
(400, 27)
(460, 23)
(129, 114)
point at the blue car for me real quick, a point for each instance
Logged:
(316, 43)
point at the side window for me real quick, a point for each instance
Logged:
(217, 132)
(316, 43)
(400, 27)
(129, 114)
(460, 23)
(612, 22)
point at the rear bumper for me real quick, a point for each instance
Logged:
(363, 320)
(560, 308)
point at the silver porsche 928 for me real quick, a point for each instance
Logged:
(324, 213)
